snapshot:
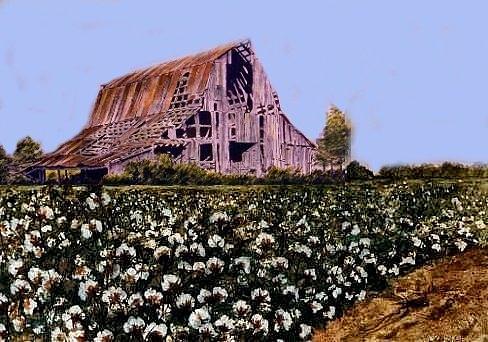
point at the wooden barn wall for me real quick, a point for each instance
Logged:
(284, 145)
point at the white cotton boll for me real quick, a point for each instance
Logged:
(204, 295)
(408, 260)
(461, 245)
(20, 285)
(330, 313)
(394, 270)
(315, 306)
(134, 324)
(216, 241)
(225, 323)
(365, 242)
(85, 231)
(47, 228)
(241, 308)
(87, 288)
(169, 282)
(91, 203)
(291, 290)
(243, 263)
(361, 295)
(198, 249)
(310, 273)
(198, 318)
(185, 300)
(29, 306)
(103, 336)
(105, 199)
(355, 230)
(198, 267)
(305, 331)
(14, 266)
(260, 325)
(336, 292)
(283, 320)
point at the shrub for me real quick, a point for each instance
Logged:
(282, 176)
(356, 171)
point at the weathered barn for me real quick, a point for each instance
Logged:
(216, 109)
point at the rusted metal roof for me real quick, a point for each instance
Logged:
(131, 111)
(149, 91)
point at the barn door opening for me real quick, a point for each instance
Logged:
(237, 149)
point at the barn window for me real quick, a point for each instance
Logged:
(180, 132)
(205, 118)
(190, 121)
(206, 152)
(191, 132)
(173, 151)
(261, 127)
(237, 149)
(205, 132)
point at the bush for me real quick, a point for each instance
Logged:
(276, 176)
(356, 171)
(163, 171)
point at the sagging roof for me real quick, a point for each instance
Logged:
(149, 91)
(131, 111)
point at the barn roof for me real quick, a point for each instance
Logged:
(131, 111)
(174, 65)
(150, 91)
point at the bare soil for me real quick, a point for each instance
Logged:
(445, 301)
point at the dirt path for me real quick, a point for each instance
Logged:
(447, 301)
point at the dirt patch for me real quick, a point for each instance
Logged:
(446, 301)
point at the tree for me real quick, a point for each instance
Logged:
(27, 151)
(334, 145)
(4, 163)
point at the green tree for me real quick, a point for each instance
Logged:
(334, 145)
(27, 151)
(4, 164)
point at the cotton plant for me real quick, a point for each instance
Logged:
(249, 265)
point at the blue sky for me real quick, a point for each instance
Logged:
(412, 75)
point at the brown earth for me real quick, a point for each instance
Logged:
(445, 301)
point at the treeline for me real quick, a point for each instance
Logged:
(423, 171)
(26, 151)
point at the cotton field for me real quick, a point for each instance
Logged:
(249, 264)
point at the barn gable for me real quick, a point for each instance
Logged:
(219, 101)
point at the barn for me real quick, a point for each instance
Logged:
(216, 108)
